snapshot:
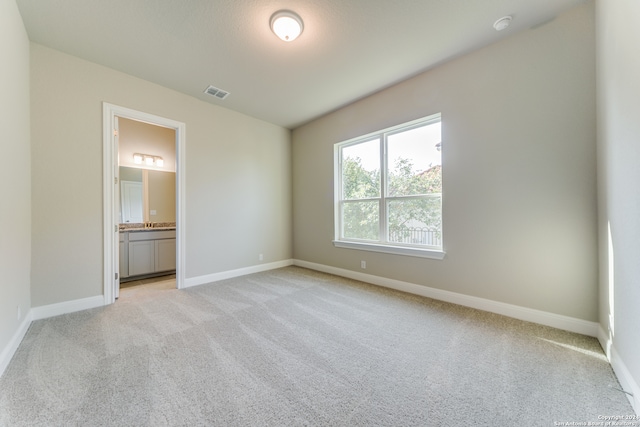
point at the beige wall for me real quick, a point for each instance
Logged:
(238, 177)
(15, 173)
(139, 137)
(619, 178)
(519, 171)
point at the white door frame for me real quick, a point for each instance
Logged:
(110, 165)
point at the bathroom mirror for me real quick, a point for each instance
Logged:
(147, 195)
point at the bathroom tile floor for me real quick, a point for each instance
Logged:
(146, 288)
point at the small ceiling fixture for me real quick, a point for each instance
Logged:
(286, 24)
(502, 23)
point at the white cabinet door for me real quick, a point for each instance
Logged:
(165, 254)
(141, 257)
(124, 261)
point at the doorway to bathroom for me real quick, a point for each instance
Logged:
(143, 198)
(147, 213)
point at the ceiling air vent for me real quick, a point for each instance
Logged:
(218, 93)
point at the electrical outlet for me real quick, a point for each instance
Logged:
(363, 264)
(260, 257)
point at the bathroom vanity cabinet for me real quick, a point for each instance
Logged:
(147, 252)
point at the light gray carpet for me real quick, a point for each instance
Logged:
(297, 347)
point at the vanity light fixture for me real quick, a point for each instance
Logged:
(148, 160)
(287, 25)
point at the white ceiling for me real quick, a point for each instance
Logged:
(349, 48)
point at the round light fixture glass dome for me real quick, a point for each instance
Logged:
(286, 25)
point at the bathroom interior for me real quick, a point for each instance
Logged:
(147, 208)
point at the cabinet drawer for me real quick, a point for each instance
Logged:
(151, 235)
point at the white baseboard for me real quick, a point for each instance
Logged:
(523, 313)
(215, 277)
(45, 311)
(42, 312)
(627, 382)
(12, 347)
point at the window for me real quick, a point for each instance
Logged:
(388, 195)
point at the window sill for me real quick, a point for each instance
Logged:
(388, 249)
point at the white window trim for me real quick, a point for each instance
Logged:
(390, 249)
(415, 251)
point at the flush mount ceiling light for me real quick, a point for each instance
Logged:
(502, 23)
(286, 25)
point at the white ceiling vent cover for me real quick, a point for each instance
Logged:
(218, 93)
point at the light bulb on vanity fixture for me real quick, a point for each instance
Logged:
(148, 160)
(287, 25)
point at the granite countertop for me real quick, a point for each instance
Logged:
(135, 230)
(153, 226)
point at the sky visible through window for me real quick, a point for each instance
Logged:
(418, 144)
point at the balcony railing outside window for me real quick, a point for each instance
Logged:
(416, 236)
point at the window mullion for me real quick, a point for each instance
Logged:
(341, 219)
(339, 194)
(383, 189)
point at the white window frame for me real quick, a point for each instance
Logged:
(379, 246)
